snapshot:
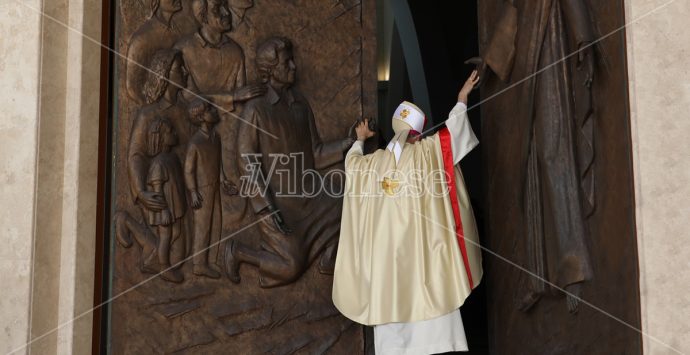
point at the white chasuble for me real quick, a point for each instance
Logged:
(403, 261)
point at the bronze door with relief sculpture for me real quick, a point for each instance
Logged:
(222, 239)
(556, 148)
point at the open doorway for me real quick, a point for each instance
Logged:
(422, 46)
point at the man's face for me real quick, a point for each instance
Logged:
(178, 73)
(218, 16)
(170, 5)
(284, 71)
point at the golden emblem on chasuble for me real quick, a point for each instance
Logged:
(389, 185)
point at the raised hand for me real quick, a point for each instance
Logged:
(363, 131)
(468, 86)
(480, 66)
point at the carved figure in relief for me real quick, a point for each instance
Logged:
(217, 72)
(162, 88)
(158, 32)
(165, 177)
(161, 92)
(294, 229)
(214, 60)
(548, 142)
(203, 173)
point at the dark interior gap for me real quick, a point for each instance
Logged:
(447, 34)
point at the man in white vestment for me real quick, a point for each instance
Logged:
(408, 254)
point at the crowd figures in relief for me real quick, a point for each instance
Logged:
(180, 160)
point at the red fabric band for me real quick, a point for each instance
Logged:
(449, 167)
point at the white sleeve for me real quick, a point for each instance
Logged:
(462, 137)
(357, 150)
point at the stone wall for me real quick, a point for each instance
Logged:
(658, 47)
(49, 142)
(19, 64)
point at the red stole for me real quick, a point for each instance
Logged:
(449, 167)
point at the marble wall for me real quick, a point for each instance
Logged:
(659, 75)
(50, 65)
(20, 33)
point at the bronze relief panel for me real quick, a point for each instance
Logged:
(557, 165)
(217, 102)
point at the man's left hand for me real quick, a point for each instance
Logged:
(468, 86)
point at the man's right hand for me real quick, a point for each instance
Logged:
(152, 200)
(363, 131)
(248, 92)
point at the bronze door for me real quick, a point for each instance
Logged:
(215, 101)
(558, 179)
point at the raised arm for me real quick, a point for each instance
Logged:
(356, 151)
(363, 133)
(463, 139)
(325, 153)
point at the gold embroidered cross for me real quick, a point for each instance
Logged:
(404, 113)
(389, 185)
